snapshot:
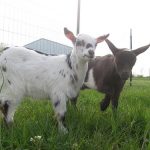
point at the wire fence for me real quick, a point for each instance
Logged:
(20, 26)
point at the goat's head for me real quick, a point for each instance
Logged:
(125, 59)
(84, 45)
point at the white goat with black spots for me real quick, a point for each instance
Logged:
(26, 73)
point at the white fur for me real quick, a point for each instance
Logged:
(90, 82)
(31, 74)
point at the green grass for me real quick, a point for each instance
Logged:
(89, 129)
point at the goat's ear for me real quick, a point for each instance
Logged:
(140, 50)
(101, 38)
(70, 35)
(112, 47)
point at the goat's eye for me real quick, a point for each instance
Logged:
(89, 45)
(80, 43)
(83, 43)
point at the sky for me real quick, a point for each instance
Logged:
(23, 21)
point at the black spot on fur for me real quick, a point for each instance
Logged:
(24, 59)
(5, 48)
(5, 59)
(73, 78)
(5, 108)
(76, 66)
(80, 43)
(62, 118)
(56, 103)
(68, 60)
(9, 82)
(37, 77)
(87, 76)
(89, 45)
(61, 72)
(4, 68)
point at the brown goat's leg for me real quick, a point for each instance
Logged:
(114, 104)
(105, 102)
(114, 100)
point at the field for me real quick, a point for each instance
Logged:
(35, 127)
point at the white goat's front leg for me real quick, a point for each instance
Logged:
(10, 114)
(59, 104)
(8, 110)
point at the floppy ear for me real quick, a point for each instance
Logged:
(140, 50)
(101, 38)
(112, 47)
(69, 35)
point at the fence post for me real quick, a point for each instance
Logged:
(78, 17)
(131, 50)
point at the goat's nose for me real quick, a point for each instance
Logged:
(91, 52)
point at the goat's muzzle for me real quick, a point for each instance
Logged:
(91, 54)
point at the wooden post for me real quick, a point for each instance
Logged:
(78, 18)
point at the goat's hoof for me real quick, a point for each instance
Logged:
(9, 123)
(63, 130)
(75, 107)
(103, 106)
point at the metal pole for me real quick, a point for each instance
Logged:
(131, 39)
(131, 50)
(78, 18)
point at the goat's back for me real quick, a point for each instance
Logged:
(36, 74)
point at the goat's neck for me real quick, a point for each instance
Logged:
(79, 66)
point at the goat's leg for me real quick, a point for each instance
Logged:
(74, 101)
(60, 110)
(105, 102)
(8, 111)
(114, 100)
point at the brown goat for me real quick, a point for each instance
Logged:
(108, 74)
